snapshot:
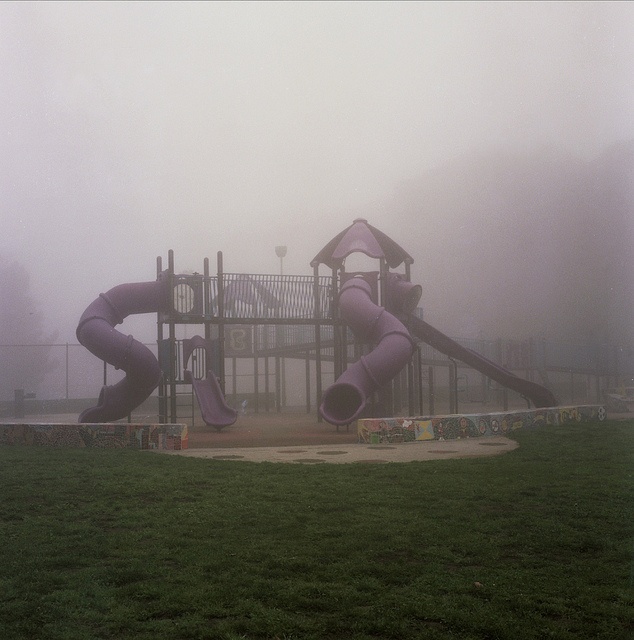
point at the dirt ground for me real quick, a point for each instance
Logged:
(272, 430)
(300, 438)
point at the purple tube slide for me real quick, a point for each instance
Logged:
(344, 401)
(96, 332)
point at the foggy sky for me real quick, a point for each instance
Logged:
(128, 129)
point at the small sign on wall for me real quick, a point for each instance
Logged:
(238, 341)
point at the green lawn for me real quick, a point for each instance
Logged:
(537, 543)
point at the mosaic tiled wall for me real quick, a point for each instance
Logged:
(379, 430)
(105, 436)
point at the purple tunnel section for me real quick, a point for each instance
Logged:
(96, 332)
(344, 401)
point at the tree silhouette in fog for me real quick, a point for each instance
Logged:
(527, 243)
(21, 324)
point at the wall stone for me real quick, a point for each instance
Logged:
(104, 436)
(471, 425)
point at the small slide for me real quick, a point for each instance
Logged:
(538, 395)
(214, 410)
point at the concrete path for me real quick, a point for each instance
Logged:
(357, 453)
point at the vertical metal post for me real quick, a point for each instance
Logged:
(386, 394)
(419, 370)
(172, 343)
(432, 393)
(207, 307)
(307, 371)
(411, 399)
(266, 383)
(221, 326)
(234, 377)
(256, 368)
(162, 400)
(278, 384)
(318, 314)
(453, 386)
(18, 403)
(67, 371)
(336, 332)
(382, 283)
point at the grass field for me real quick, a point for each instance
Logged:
(533, 544)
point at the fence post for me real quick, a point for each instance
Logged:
(18, 403)
(278, 381)
(432, 395)
(453, 386)
(67, 371)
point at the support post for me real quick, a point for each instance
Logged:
(307, 381)
(278, 384)
(221, 325)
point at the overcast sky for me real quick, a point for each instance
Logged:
(128, 129)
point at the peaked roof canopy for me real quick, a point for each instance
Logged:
(364, 238)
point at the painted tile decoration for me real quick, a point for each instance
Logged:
(451, 427)
(105, 436)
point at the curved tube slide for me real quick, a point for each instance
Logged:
(96, 332)
(346, 398)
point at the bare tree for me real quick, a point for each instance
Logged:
(527, 244)
(25, 348)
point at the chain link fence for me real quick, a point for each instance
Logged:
(67, 372)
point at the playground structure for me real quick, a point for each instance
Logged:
(364, 323)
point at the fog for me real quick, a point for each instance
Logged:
(128, 129)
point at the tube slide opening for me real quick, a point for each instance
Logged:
(342, 403)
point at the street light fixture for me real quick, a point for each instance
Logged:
(280, 251)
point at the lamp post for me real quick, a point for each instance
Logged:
(280, 251)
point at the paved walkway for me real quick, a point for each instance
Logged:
(357, 453)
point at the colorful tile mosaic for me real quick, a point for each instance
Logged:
(104, 436)
(451, 427)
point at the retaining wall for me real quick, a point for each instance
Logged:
(472, 425)
(105, 436)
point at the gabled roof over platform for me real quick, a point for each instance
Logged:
(364, 238)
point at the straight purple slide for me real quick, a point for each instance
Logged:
(214, 410)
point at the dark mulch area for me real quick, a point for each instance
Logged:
(272, 430)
